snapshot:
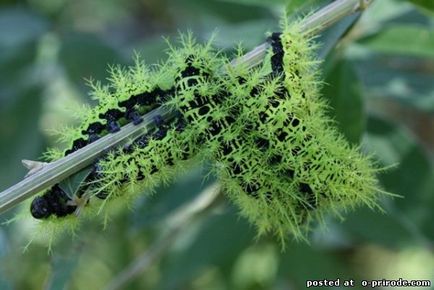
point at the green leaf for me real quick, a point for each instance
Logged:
(426, 202)
(4, 249)
(86, 56)
(372, 226)
(217, 242)
(73, 183)
(343, 90)
(411, 40)
(331, 36)
(425, 4)
(151, 210)
(62, 269)
(304, 5)
(20, 135)
(411, 178)
(19, 27)
(260, 2)
(381, 13)
(406, 79)
(342, 84)
(413, 171)
(228, 11)
(302, 262)
(249, 34)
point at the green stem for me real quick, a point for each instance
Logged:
(71, 164)
(173, 227)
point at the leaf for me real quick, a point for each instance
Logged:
(19, 33)
(425, 4)
(366, 225)
(259, 2)
(406, 217)
(381, 13)
(217, 242)
(343, 90)
(86, 56)
(411, 39)
(302, 262)
(331, 36)
(73, 183)
(19, 27)
(229, 11)
(4, 248)
(426, 202)
(62, 270)
(151, 210)
(249, 34)
(304, 5)
(394, 145)
(21, 138)
(406, 79)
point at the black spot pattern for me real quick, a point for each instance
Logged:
(278, 52)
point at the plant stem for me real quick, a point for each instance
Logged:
(71, 164)
(206, 200)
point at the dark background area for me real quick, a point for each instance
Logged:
(380, 83)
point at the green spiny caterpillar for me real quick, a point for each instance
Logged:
(184, 67)
(275, 151)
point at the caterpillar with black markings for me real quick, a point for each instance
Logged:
(276, 153)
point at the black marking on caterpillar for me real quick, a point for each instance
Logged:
(54, 202)
(134, 116)
(277, 57)
(77, 144)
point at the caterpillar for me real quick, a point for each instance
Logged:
(275, 151)
(111, 118)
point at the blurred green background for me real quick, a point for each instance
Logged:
(379, 80)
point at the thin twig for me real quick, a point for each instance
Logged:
(206, 200)
(67, 166)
